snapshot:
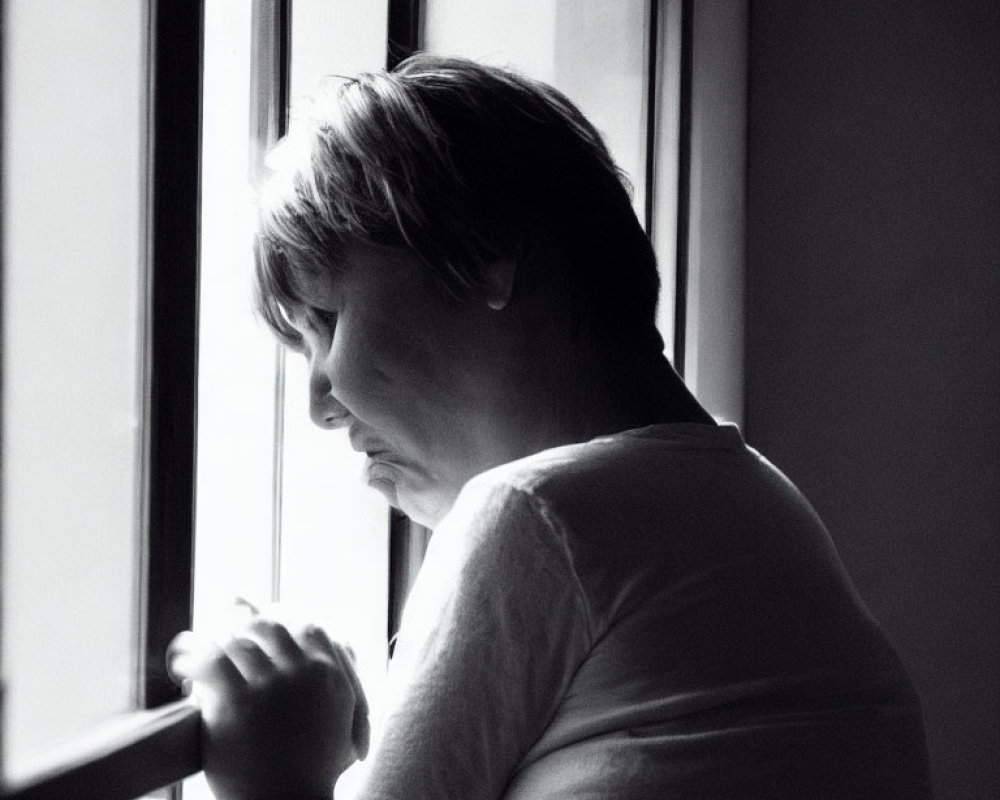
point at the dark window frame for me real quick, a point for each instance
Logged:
(173, 212)
(683, 187)
(407, 540)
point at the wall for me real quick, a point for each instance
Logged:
(873, 292)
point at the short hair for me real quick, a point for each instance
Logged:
(460, 163)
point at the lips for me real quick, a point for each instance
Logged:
(361, 443)
(366, 444)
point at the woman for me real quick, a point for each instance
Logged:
(620, 599)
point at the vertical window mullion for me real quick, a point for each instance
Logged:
(652, 113)
(683, 186)
(270, 76)
(172, 220)
(407, 540)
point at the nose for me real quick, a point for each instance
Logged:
(324, 409)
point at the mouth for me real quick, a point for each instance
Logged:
(380, 471)
(363, 444)
(376, 455)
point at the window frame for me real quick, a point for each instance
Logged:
(172, 218)
(149, 750)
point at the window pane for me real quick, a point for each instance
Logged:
(237, 437)
(236, 355)
(334, 528)
(281, 511)
(72, 184)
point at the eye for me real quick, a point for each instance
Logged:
(295, 345)
(323, 320)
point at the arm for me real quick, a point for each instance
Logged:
(493, 632)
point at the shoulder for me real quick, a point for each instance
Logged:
(602, 469)
(502, 518)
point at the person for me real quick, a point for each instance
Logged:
(621, 598)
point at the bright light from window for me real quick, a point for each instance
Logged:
(72, 181)
(272, 488)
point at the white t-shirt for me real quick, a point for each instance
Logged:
(654, 614)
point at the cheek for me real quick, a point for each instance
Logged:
(368, 367)
(392, 367)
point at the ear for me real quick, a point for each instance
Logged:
(499, 282)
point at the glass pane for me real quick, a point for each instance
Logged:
(335, 551)
(72, 195)
(236, 355)
(282, 514)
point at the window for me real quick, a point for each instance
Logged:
(123, 326)
(281, 514)
(99, 246)
(72, 370)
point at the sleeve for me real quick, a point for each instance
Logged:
(493, 632)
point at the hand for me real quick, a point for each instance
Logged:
(282, 716)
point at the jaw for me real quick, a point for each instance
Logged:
(426, 511)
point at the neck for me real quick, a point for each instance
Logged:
(630, 391)
(599, 392)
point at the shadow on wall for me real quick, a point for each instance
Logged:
(873, 250)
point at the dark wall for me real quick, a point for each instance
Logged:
(873, 325)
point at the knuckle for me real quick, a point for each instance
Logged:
(319, 668)
(240, 644)
(315, 635)
(265, 626)
(312, 631)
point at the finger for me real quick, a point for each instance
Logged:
(243, 612)
(316, 638)
(242, 602)
(275, 640)
(361, 729)
(251, 661)
(182, 644)
(360, 726)
(191, 658)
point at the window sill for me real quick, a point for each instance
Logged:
(123, 759)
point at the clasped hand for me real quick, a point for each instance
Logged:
(282, 716)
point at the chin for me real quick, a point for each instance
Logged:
(387, 489)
